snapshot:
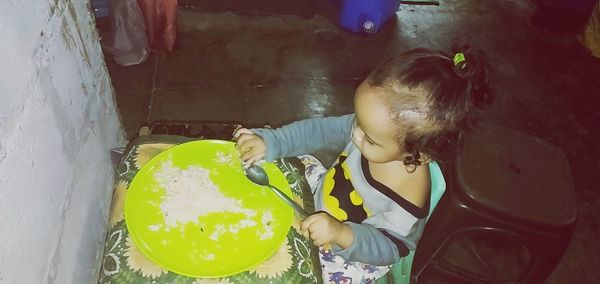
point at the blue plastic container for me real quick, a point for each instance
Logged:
(101, 8)
(366, 16)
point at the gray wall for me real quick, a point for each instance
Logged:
(57, 124)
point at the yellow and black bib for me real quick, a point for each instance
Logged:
(340, 198)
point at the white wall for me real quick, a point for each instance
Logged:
(58, 123)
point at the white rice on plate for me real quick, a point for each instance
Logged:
(190, 194)
(224, 158)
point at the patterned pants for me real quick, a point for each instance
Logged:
(335, 268)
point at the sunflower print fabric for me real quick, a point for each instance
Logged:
(296, 261)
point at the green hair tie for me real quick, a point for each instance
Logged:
(459, 58)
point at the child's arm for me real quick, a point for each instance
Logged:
(355, 242)
(306, 136)
(371, 246)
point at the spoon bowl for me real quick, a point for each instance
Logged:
(257, 175)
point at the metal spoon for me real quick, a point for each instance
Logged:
(258, 176)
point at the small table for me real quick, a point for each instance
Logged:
(297, 260)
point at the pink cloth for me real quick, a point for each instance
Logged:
(161, 22)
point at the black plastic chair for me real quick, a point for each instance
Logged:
(507, 215)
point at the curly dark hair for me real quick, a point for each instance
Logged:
(428, 124)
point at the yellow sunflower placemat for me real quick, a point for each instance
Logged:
(296, 261)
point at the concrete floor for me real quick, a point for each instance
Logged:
(276, 69)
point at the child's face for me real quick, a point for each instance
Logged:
(373, 130)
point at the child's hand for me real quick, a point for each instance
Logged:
(251, 146)
(325, 229)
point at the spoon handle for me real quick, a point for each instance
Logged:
(303, 214)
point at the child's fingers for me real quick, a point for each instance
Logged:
(237, 127)
(319, 242)
(235, 130)
(305, 233)
(239, 133)
(314, 227)
(246, 143)
(306, 223)
(319, 237)
(251, 150)
(250, 159)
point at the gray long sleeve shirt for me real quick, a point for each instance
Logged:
(385, 225)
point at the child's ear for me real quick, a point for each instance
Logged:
(421, 158)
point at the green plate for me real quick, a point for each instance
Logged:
(209, 244)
